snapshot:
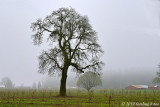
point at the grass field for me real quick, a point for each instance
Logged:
(80, 98)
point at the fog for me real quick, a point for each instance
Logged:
(128, 31)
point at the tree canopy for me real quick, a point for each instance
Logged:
(89, 80)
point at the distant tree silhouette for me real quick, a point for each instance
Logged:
(6, 81)
(50, 83)
(73, 44)
(34, 86)
(39, 85)
(156, 80)
(89, 80)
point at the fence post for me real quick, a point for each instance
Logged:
(109, 101)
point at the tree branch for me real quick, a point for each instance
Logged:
(82, 69)
(53, 60)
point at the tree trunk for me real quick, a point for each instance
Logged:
(63, 82)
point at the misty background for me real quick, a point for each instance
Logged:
(128, 31)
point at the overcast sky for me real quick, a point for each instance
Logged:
(128, 31)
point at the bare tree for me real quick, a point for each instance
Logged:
(157, 79)
(6, 81)
(73, 44)
(89, 80)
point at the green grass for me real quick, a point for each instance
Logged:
(79, 98)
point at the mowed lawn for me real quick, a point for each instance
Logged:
(79, 98)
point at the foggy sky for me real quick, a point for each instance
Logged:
(128, 31)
